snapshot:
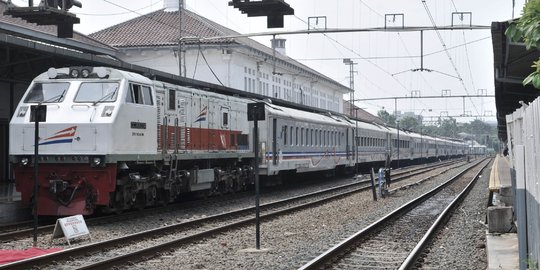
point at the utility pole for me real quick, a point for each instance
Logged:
(348, 61)
(180, 8)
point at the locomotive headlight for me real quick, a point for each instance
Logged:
(24, 161)
(101, 72)
(96, 161)
(74, 73)
(52, 72)
(85, 73)
(107, 111)
(22, 111)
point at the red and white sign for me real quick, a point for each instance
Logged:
(70, 227)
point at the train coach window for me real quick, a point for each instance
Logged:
(296, 136)
(47, 92)
(284, 135)
(291, 136)
(97, 92)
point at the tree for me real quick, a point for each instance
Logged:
(527, 29)
(410, 123)
(448, 127)
(387, 118)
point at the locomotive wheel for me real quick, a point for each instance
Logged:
(118, 210)
(165, 197)
(140, 202)
(116, 204)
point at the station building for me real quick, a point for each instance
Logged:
(213, 53)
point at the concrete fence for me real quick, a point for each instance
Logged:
(523, 128)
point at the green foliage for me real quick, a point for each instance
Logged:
(410, 123)
(387, 118)
(527, 29)
(477, 130)
(448, 127)
(531, 264)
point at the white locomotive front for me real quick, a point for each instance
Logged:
(94, 117)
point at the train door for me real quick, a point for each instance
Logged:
(181, 124)
(274, 142)
(224, 128)
(199, 131)
(348, 145)
(388, 152)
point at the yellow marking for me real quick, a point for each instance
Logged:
(494, 180)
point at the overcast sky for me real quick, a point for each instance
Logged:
(384, 59)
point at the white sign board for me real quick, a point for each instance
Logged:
(70, 227)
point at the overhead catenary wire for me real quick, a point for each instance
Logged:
(466, 51)
(209, 67)
(460, 78)
(402, 42)
(396, 56)
(362, 58)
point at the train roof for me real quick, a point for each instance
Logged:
(110, 73)
(290, 113)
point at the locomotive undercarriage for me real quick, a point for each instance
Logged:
(146, 185)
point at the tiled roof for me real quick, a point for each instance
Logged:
(46, 29)
(362, 114)
(160, 28)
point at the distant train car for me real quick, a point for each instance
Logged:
(115, 140)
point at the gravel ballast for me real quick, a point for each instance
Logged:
(291, 241)
(287, 242)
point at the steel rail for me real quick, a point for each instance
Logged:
(415, 253)
(93, 247)
(21, 233)
(321, 260)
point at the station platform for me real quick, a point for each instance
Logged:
(11, 209)
(501, 248)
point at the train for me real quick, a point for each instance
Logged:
(114, 140)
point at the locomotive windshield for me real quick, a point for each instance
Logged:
(47, 92)
(97, 92)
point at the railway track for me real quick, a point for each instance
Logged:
(24, 229)
(160, 238)
(396, 240)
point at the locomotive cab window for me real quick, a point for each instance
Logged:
(139, 94)
(97, 92)
(47, 92)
